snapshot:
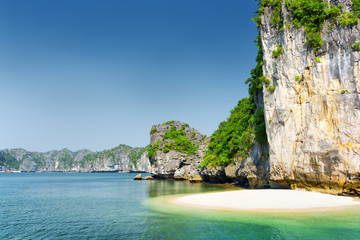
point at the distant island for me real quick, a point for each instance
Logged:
(122, 158)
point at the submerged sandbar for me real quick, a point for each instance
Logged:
(269, 199)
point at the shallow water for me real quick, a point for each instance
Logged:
(113, 206)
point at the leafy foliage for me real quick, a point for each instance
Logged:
(9, 161)
(174, 139)
(66, 160)
(276, 12)
(263, 79)
(37, 158)
(259, 126)
(152, 150)
(233, 137)
(356, 46)
(348, 19)
(89, 158)
(168, 122)
(135, 154)
(179, 141)
(271, 88)
(185, 125)
(153, 130)
(276, 53)
(312, 14)
(257, 77)
(356, 7)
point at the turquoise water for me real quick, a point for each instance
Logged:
(113, 206)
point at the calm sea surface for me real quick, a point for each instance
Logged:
(113, 206)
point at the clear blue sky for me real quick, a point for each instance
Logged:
(97, 73)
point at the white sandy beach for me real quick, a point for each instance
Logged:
(269, 199)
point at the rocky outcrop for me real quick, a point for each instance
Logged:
(119, 159)
(172, 163)
(148, 178)
(138, 177)
(313, 115)
(252, 172)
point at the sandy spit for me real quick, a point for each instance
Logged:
(269, 199)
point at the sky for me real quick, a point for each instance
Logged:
(93, 74)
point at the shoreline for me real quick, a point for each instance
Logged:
(74, 172)
(269, 200)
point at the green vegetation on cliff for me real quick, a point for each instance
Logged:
(179, 141)
(152, 150)
(277, 53)
(66, 161)
(356, 46)
(233, 137)
(174, 139)
(135, 154)
(356, 7)
(168, 122)
(246, 124)
(312, 14)
(9, 161)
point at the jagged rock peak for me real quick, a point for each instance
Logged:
(158, 131)
(175, 150)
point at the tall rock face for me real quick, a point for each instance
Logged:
(313, 115)
(176, 151)
(142, 164)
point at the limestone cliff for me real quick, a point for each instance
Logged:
(313, 111)
(176, 151)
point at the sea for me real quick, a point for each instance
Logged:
(114, 206)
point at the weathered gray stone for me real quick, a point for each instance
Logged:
(176, 165)
(313, 125)
(142, 165)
